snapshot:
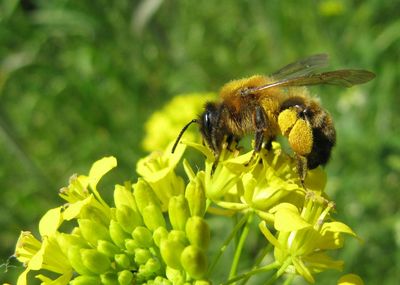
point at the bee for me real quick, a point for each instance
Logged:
(279, 104)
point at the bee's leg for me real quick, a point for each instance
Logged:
(230, 140)
(302, 168)
(261, 123)
(268, 144)
(215, 163)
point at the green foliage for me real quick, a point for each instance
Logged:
(78, 79)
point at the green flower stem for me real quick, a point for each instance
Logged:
(267, 249)
(289, 280)
(227, 241)
(247, 275)
(280, 271)
(239, 247)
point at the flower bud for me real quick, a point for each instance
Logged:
(198, 232)
(107, 248)
(128, 218)
(96, 213)
(144, 195)
(95, 261)
(131, 245)
(178, 211)
(123, 196)
(125, 277)
(159, 234)
(178, 236)
(176, 276)
(153, 265)
(171, 252)
(194, 261)
(162, 280)
(142, 255)
(117, 234)
(195, 196)
(153, 217)
(143, 236)
(122, 260)
(109, 278)
(86, 280)
(75, 258)
(66, 241)
(93, 231)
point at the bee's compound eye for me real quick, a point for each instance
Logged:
(207, 120)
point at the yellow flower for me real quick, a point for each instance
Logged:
(84, 202)
(272, 181)
(304, 237)
(164, 125)
(157, 169)
(45, 255)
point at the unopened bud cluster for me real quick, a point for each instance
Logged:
(135, 242)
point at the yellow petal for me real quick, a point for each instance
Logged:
(99, 168)
(287, 218)
(50, 222)
(302, 269)
(74, 209)
(268, 235)
(36, 261)
(61, 280)
(337, 227)
(350, 279)
(320, 261)
(203, 149)
(176, 156)
(22, 277)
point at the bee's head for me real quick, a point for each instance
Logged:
(209, 127)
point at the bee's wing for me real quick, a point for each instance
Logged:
(344, 77)
(302, 67)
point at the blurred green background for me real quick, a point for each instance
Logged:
(78, 79)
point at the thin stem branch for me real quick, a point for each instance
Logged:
(239, 247)
(280, 271)
(247, 275)
(227, 241)
(258, 261)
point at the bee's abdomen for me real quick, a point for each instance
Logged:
(324, 138)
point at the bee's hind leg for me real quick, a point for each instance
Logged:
(302, 168)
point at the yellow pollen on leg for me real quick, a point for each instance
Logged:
(301, 138)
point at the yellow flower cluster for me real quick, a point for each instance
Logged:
(157, 230)
(164, 125)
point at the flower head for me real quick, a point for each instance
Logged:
(305, 236)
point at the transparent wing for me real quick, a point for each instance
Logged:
(344, 77)
(302, 67)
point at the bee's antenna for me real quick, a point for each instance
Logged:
(181, 134)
